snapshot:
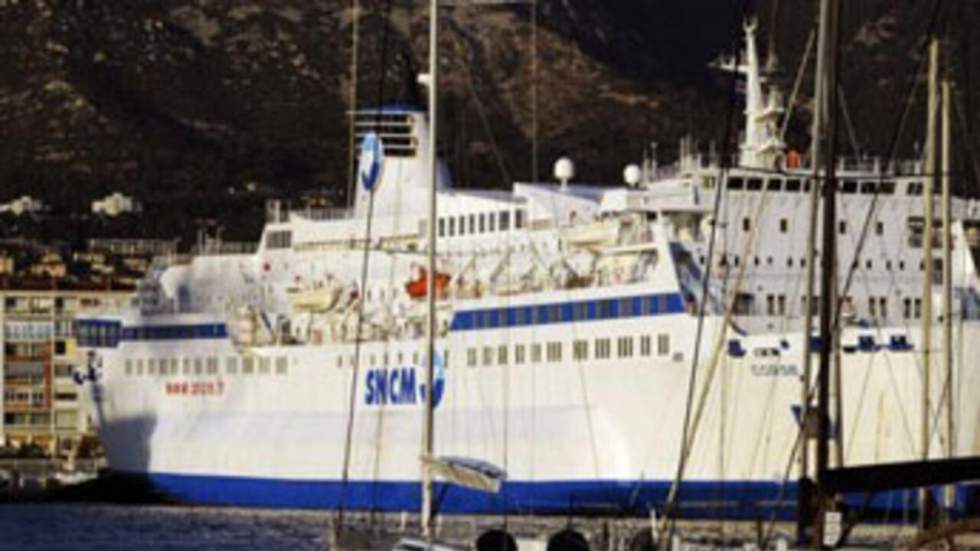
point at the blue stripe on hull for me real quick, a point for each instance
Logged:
(728, 499)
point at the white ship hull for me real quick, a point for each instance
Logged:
(595, 435)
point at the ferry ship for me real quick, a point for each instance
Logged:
(571, 318)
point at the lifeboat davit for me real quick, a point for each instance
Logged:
(417, 287)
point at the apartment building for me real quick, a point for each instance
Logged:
(40, 401)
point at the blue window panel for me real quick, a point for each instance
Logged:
(675, 303)
(614, 308)
(637, 306)
(567, 312)
(494, 318)
(592, 310)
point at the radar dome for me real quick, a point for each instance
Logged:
(632, 175)
(564, 170)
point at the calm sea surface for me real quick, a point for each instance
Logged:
(52, 527)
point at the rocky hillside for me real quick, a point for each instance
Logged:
(185, 102)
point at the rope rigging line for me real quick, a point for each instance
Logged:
(670, 523)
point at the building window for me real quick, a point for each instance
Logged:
(471, 355)
(452, 226)
(483, 223)
(535, 353)
(907, 308)
(783, 225)
(504, 220)
(282, 365)
(502, 354)
(265, 366)
(248, 365)
(879, 228)
(487, 355)
(520, 218)
(645, 347)
(746, 224)
(663, 344)
(231, 365)
(842, 227)
(883, 307)
(519, 354)
(580, 350)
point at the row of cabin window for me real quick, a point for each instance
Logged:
(485, 222)
(724, 261)
(877, 306)
(206, 366)
(386, 359)
(796, 186)
(553, 351)
(784, 226)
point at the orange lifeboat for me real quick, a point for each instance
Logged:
(417, 288)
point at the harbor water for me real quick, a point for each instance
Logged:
(84, 527)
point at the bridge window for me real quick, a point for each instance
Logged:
(281, 239)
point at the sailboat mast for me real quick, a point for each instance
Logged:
(355, 14)
(804, 505)
(427, 426)
(927, 253)
(829, 17)
(948, 286)
(805, 497)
